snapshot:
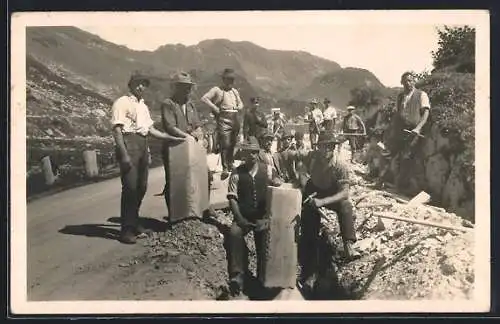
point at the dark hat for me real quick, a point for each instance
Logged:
(251, 145)
(136, 79)
(228, 73)
(328, 137)
(182, 77)
(287, 133)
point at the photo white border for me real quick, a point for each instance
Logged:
(18, 249)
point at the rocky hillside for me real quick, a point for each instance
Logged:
(444, 163)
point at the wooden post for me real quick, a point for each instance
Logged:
(90, 160)
(47, 171)
(188, 176)
(283, 213)
(425, 223)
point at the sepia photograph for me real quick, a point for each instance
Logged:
(321, 161)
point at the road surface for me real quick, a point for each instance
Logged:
(73, 253)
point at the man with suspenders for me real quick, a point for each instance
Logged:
(225, 103)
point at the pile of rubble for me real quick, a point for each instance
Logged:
(400, 259)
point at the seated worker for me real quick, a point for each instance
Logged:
(266, 156)
(285, 159)
(247, 191)
(328, 177)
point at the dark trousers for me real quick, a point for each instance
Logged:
(135, 180)
(310, 226)
(353, 140)
(228, 128)
(238, 252)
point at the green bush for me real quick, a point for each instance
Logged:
(452, 97)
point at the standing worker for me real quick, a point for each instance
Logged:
(225, 103)
(353, 124)
(329, 116)
(247, 192)
(132, 124)
(254, 121)
(180, 118)
(315, 122)
(412, 113)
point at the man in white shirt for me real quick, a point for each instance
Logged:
(225, 103)
(329, 116)
(315, 122)
(132, 124)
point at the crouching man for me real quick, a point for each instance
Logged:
(328, 178)
(247, 200)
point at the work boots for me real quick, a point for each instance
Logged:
(350, 253)
(128, 235)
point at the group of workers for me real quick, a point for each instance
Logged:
(320, 173)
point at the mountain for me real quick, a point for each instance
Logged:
(337, 85)
(104, 67)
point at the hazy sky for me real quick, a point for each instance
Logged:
(387, 51)
(384, 42)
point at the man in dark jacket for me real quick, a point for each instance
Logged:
(247, 199)
(254, 121)
(180, 118)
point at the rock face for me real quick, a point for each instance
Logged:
(443, 161)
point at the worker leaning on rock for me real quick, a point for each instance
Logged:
(247, 199)
(328, 178)
(225, 103)
(180, 118)
(132, 124)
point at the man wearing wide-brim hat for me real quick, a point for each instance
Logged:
(179, 118)
(328, 176)
(225, 103)
(247, 199)
(132, 124)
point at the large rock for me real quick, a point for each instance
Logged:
(454, 190)
(436, 174)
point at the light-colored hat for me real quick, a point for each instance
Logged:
(314, 101)
(351, 107)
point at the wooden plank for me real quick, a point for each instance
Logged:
(188, 176)
(283, 212)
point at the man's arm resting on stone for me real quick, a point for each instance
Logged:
(339, 196)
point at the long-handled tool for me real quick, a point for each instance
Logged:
(413, 133)
(426, 223)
